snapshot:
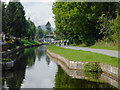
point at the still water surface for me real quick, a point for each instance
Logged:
(34, 69)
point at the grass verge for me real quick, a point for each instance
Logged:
(85, 56)
(101, 45)
(29, 42)
(105, 45)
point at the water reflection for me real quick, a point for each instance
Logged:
(40, 52)
(99, 78)
(62, 80)
(15, 78)
(31, 70)
(34, 69)
(47, 60)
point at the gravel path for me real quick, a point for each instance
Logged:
(101, 51)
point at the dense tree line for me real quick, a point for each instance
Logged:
(14, 22)
(30, 29)
(39, 32)
(85, 23)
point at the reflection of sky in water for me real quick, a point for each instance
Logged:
(40, 75)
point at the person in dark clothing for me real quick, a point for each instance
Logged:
(65, 43)
(59, 42)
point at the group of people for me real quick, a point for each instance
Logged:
(66, 42)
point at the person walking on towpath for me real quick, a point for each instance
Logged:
(64, 42)
(67, 42)
(59, 42)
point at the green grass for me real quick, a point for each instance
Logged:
(29, 42)
(85, 56)
(105, 45)
(101, 45)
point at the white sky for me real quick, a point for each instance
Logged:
(39, 11)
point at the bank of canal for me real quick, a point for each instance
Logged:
(34, 69)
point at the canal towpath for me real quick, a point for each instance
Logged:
(100, 51)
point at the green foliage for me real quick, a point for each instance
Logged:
(92, 76)
(110, 28)
(11, 43)
(29, 42)
(39, 33)
(92, 67)
(30, 30)
(14, 19)
(79, 21)
(2, 4)
(18, 42)
(14, 22)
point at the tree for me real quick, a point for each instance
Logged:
(110, 28)
(39, 33)
(48, 27)
(30, 29)
(3, 17)
(79, 21)
(15, 19)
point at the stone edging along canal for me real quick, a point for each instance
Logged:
(77, 65)
(7, 53)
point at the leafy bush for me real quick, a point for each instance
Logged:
(11, 43)
(92, 75)
(29, 42)
(110, 28)
(17, 42)
(92, 67)
(6, 59)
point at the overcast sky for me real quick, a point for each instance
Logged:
(39, 11)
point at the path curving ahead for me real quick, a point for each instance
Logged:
(101, 51)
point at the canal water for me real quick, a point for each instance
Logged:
(34, 69)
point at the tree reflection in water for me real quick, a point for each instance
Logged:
(62, 80)
(40, 52)
(47, 60)
(15, 78)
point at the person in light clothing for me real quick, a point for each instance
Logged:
(61, 42)
(67, 42)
